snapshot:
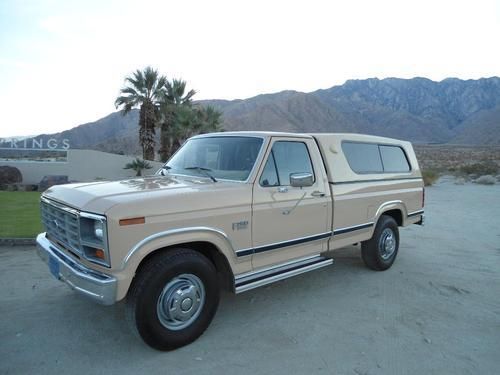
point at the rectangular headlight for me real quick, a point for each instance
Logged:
(94, 238)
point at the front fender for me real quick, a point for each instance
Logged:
(168, 238)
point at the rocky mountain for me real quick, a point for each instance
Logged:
(113, 133)
(481, 128)
(418, 109)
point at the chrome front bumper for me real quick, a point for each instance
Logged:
(95, 285)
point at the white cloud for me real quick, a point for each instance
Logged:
(64, 63)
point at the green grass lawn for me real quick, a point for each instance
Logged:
(19, 214)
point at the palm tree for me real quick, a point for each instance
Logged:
(187, 122)
(211, 119)
(144, 89)
(174, 100)
(138, 166)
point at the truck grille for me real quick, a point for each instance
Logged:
(61, 225)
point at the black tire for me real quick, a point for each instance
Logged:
(374, 253)
(177, 268)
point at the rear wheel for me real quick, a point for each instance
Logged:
(380, 251)
(173, 298)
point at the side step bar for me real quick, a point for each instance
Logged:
(266, 276)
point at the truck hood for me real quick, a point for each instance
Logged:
(99, 197)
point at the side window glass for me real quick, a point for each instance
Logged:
(269, 175)
(363, 157)
(394, 159)
(291, 157)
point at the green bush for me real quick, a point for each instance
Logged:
(430, 176)
(480, 169)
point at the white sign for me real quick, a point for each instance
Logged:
(35, 144)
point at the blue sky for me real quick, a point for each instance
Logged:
(62, 63)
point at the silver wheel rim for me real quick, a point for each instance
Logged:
(180, 302)
(387, 243)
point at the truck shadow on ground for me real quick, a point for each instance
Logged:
(244, 310)
(268, 314)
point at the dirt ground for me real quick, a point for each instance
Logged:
(436, 311)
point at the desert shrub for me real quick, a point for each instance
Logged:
(486, 180)
(430, 176)
(480, 169)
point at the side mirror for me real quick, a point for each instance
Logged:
(301, 179)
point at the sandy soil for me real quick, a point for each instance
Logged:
(436, 311)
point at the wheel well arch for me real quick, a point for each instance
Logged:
(208, 249)
(396, 214)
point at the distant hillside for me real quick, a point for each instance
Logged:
(481, 128)
(113, 133)
(418, 109)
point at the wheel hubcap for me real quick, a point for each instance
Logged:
(181, 301)
(387, 243)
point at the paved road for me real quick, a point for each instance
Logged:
(436, 311)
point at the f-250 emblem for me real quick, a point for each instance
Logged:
(240, 225)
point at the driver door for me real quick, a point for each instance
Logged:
(289, 222)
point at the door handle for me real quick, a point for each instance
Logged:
(282, 190)
(317, 193)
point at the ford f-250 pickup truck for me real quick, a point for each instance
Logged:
(234, 210)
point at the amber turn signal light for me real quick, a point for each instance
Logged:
(132, 221)
(99, 253)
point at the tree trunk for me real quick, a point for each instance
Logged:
(147, 124)
(165, 144)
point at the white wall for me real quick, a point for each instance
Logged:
(81, 165)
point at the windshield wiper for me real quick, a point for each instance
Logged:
(205, 171)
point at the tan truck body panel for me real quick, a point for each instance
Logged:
(179, 210)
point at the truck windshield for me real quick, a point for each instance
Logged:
(224, 157)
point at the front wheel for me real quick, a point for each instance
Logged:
(173, 298)
(380, 251)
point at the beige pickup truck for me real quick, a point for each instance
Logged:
(231, 210)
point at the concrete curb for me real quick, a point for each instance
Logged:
(17, 241)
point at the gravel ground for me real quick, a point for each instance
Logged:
(436, 311)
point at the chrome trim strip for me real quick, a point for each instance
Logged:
(322, 262)
(98, 286)
(271, 268)
(173, 232)
(415, 213)
(374, 180)
(244, 252)
(278, 245)
(93, 216)
(353, 228)
(59, 205)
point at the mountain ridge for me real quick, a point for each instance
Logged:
(418, 109)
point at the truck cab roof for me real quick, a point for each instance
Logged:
(340, 136)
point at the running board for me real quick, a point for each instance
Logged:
(283, 271)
